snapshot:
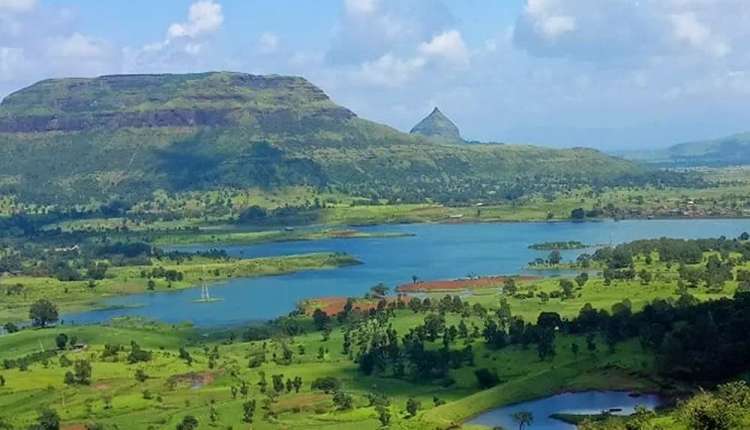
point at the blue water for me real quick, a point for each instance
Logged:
(436, 251)
(570, 403)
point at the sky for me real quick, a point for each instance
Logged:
(611, 74)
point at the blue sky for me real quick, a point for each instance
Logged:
(613, 74)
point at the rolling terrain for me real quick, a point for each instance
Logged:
(731, 150)
(73, 141)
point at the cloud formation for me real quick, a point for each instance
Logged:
(559, 72)
(184, 44)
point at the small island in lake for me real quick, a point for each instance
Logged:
(548, 246)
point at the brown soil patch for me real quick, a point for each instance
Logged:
(334, 305)
(342, 233)
(461, 284)
(193, 379)
(301, 402)
(74, 427)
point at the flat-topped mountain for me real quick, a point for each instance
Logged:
(93, 140)
(191, 100)
(437, 125)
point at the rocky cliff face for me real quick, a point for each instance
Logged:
(437, 125)
(144, 101)
(82, 140)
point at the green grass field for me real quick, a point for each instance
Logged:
(175, 389)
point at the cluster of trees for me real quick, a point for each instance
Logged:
(693, 341)
(378, 349)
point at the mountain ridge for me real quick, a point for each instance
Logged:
(73, 141)
(723, 151)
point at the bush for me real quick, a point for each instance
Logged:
(327, 384)
(486, 378)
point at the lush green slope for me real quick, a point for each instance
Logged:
(77, 140)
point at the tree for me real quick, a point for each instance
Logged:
(253, 214)
(138, 355)
(380, 290)
(10, 328)
(188, 423)
(278, 383)
(384, 415)
(61, 340)
(48, 420)
(343, 401)
(140, 375)
(486, 378)
(574, 348)
(745, 236)
(213, 413)
(81, 374)
(582, 278)
(327, 384)
(566, 285)
(82, 369)
(707, 412)
(645, 276)
(320, 319)
(5, 425)
(523, 419)
(591, 342)
(546, 343)
(554, 258)
(248, 411)
(43, 312)
(578, 214)
(185, 355)
(413, 406)
(509, 286)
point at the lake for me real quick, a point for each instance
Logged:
(436, 251)
(567, 403)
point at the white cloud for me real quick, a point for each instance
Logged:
(448, 46)
(17, 6)
(389, 71)
(687, 28)
(268, 43)
(11, 61)
(547, 20)
(77, 46)
(360, 7)
(185, 45)
(370, 29)
(204, 17)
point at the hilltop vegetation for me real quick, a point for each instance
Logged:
(731, 150)
(75, 141)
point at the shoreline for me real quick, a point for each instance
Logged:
(241, 268)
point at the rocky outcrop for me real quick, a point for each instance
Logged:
(437, 125)
(146, 101)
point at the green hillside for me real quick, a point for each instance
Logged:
(83, 140)
(726, 151)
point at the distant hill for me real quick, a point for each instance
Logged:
(437, 126)
(725, 151)
(84, 140)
